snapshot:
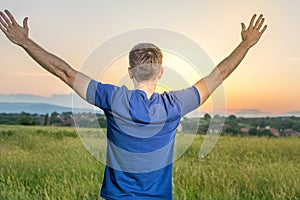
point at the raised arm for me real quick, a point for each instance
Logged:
(250, 37)
(20, 36)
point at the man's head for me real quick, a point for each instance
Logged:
(145, 60)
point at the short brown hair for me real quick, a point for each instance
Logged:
(145, 60)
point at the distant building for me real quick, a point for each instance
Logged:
(216, 128)
(275, 132)
(290, 132)
(244, 130)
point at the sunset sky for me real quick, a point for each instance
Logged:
(267, 79)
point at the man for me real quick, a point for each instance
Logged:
(141, 124)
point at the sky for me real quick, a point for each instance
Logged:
(266, 80)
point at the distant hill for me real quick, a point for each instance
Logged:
(64, 100)
(38, 108)
(17, 103)
(294, 113)
(251, 113)
(11, 103)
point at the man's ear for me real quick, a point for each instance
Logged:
(161, 72)
(130, 73)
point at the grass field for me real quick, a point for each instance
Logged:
(51, 163)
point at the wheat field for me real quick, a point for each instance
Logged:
(52, 163)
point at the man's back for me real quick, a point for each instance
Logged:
(141, 135)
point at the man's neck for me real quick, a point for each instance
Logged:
(147, 87)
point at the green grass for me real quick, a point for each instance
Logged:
(46, 163)
(52, 163)
(241, 168)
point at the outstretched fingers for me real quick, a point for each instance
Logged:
(255, 30)
(252, 20)
(3, 24)
(257, 23)
(9, 26)
(5, 21)
(263, 30)
(260, 24)
(11, 17)
(2, 29)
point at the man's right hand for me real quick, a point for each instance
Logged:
(251, 36)
(14, 32)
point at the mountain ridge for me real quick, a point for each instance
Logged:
(37, 108)
(17, 103)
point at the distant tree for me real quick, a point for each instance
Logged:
(232, 125)
(266, 132)
(67, 115)
(253, 132)
(46, 118)
(102, 121)
(296, 127)
(232, 129)
(26, 119)
(207, 117)
(232, 117)
(54, 118)
(202, 128)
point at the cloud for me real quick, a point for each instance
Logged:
(295, 59)
(251, 113)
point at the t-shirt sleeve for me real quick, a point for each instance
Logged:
(99, 94)
(189, 99)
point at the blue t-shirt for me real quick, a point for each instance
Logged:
(140, 139)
